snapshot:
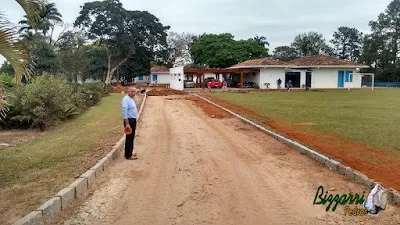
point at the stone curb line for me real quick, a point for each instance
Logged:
(77, 190)
(332, 164)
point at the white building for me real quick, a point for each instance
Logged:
(158, 74)
(316, 71)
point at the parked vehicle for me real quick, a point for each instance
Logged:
(214, 83)
(249, 84)
(189, 84)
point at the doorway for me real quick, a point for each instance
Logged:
(294, 77)
(308, 79)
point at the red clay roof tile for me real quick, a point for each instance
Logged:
(307, 61)
(323, 60)
(260, 62)
(159, 69)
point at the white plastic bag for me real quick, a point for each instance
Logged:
(376, 200)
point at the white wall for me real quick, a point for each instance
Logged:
(303, 78)
(146, 79)
(162, 78)
(271, 75)
(206, 75)
(176, 78)
(328, 78)
(357, 80)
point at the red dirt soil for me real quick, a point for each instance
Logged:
(118, 88)
(209, 109)
(164, 92)
(376, 163)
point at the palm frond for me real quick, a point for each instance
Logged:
(12, 50)
(3, 103)
(32, 8)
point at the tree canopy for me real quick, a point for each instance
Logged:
(285, 53)
(381, 46)
(124, 34)
(311, 43)
(178, 49)
(261, 40)
(347, 43)
(221, 50)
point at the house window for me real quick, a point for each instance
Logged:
(155, 77)
(141, 77)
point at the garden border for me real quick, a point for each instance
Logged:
(393, 195)
(77, 190)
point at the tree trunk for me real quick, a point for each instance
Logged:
(108, 79)
(117, 76)
(51, 35)
(110, 71)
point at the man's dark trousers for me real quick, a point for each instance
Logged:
(130, 138)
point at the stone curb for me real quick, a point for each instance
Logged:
(77, 190)
(332, 164)
(90, 175)
(67, 196)
(33, 218)
(50, 209)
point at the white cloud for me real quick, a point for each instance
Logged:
(279, 21)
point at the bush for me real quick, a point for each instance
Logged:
(107, 89)
(87, 95)
(48, 100)
(6, 80)
(43, 102)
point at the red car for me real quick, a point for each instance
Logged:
(216, 83)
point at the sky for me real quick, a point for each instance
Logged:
(278, 20)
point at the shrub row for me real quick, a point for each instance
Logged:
(46, 101)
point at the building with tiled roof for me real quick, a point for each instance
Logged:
(317, 71)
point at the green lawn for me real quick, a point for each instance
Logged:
(32, 172)
(370, 117)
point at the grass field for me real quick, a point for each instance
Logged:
(369, 117)
(31, 173)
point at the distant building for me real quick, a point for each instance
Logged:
(317, 71)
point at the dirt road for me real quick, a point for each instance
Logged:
(193, 169)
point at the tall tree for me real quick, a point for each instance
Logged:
(43, 57)
(48, 18)
(71, 55)
(285, 53)
(261, 40)
(178, 49)
(347, 43)
(125, 33)
(311, 43)
(381, 47)
(221, 50)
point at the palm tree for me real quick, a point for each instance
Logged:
(10, 48)
(48, 17)
(261, 40)
(51, 16)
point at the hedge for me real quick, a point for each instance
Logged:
(46, 101)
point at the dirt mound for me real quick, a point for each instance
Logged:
(165, 92)
(211, 110)
(118, 88)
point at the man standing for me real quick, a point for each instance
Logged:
(289, 85)
(129, 114)
(279, 83)
(224, 86)
(209, 86)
